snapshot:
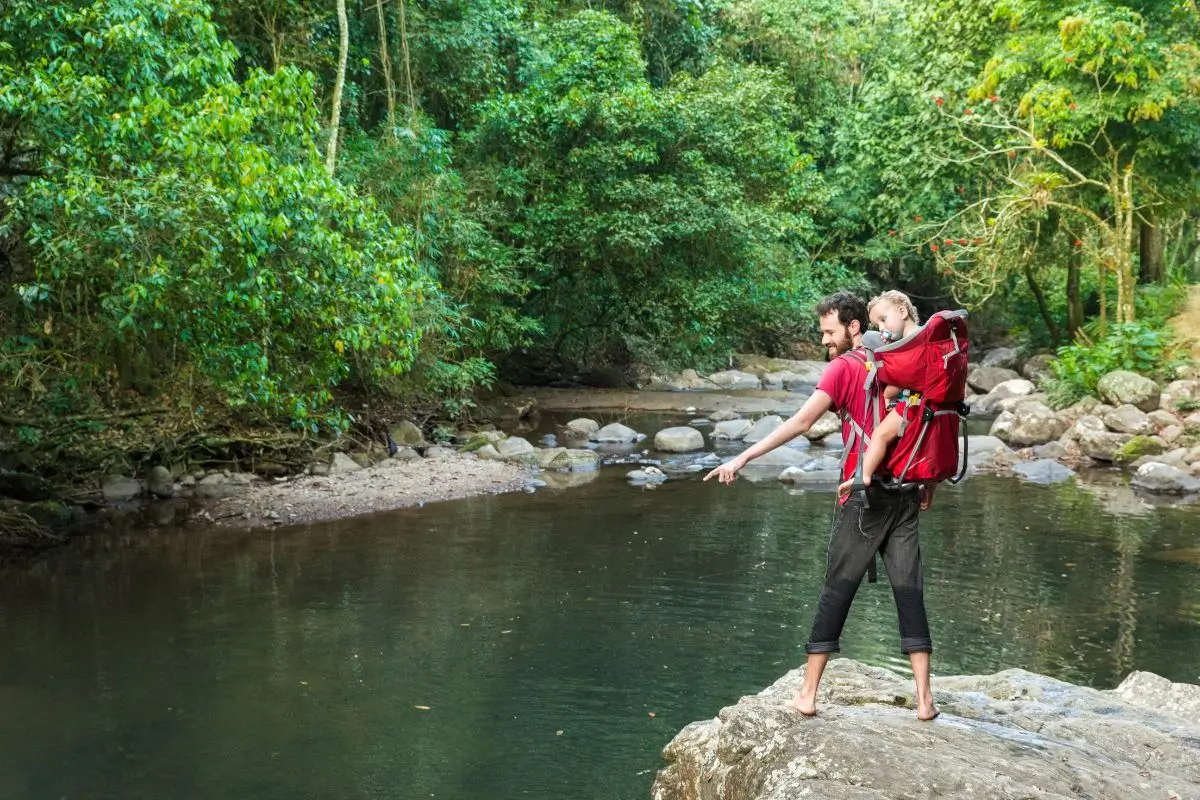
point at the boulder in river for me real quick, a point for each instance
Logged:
(161, 482)
(763, 428)
(1002, 357)
(615, 433)
(1160, 478)
(1180, 395)
(1044, 471)
(984, 379)
(1130, 419)
(580, 428)
(1031, 423)
(1014, 734)
(120, 488)
(732, 430)
(828, 423)
(735, 379)
(679, 439)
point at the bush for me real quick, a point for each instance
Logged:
(1136, 347)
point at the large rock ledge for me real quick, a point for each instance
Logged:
(1014, 734)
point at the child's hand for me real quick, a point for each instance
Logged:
(844, 489)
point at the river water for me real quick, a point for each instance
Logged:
(539, 645)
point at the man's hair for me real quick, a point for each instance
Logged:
(848, 307)
(899, 300)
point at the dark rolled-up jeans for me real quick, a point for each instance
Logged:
(886, 524)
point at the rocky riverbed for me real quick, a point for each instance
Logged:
(1008, 735)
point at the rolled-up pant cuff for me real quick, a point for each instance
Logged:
(823, 647)
(916, 645)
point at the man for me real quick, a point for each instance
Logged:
(884, 521)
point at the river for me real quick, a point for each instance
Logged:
(539, 645)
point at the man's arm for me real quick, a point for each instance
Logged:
(794, 426)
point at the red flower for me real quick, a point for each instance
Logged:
(1078, 243)
(962, 241)
(948, 242)
(968, 112)
(978, 240)
(917, 218)
(892, 232)
(1069, 59)
(933, 247)
(1012, 154)
(993, 98)
(1072, 106)
(939, 101)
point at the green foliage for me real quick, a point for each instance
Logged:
(1135, 347)
(182, 217)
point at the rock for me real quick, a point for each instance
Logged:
(572, 460)
(1044, 471)
(506, 408)
(1014, 734)
(782, 457)
(408, 454)
(1051, 450)
(489, 453)
(686, 381)
(24, 486)
(1038, 366)
(217, 485)
(735, 379)
(1137, 447)
(1191, 423)
(823, 464)
(1012, 403)
(791, 381)
(615, 433)
(317, 470)
(439, 452)
(1175, 458)
(1018, 387)
(811, 477)
(1193, 455)
(1071, 414)
(984, 379)
(732, 430)
(680, 439)
(1096, 441)
(547, 455)
(407, 434)
(1171, 434)
(1129, 419)
(825, 425)
(1032, 423)
(982, 451)
(581, 428)
(1121, 387)
(763, 428)
(161, 482)
(518, 450)
(120, 488)
(1164, 419)
(340, 464)
(1160, 478)
(1181, 395)
(646, 475)
(1002, 357)
(724, 415)
(1161, 696)
(479, 439)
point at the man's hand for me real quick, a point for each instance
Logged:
(926, 493)
(845, 487)
(727, 472)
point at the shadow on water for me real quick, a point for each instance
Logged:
(541, 631)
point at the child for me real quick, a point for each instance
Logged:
(896, 317)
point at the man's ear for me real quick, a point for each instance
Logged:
(854, 328)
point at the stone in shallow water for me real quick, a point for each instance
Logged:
(1044, 471)
(615, 433)
(680, 439)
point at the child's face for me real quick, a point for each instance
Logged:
(887, 317)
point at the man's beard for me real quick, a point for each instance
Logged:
(841, 345)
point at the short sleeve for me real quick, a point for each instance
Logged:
(835, 380)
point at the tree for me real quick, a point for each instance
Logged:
(335, 113)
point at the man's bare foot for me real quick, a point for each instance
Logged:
(805, 705)
(927, 711)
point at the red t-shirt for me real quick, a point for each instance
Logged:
(843, 380)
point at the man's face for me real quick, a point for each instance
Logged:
(835, 336)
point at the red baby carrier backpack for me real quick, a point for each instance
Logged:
(932, 364)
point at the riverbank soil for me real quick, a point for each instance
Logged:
(1186, 324)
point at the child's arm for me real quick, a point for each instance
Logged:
(881, 439)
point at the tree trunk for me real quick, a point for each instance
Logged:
(336, 115)
(408, 81)
(1074, 299)
(389, 86)
(1152, 267)
(1043, 306)
(1124, 265)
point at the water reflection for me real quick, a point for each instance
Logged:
(297, 662)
